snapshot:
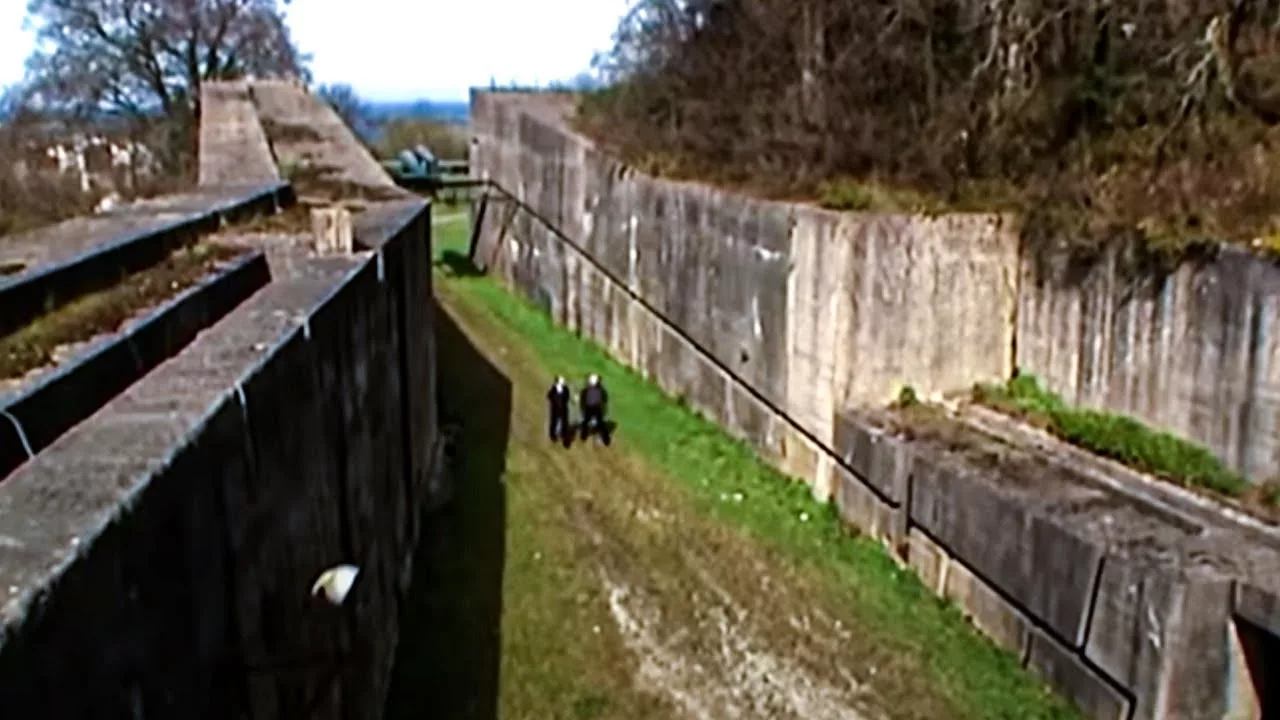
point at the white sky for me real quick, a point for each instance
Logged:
(413, 49)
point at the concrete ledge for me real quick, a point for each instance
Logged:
(157, 557)
(1258, 605)
(1067, 674)
(37, 416)
(27, 295)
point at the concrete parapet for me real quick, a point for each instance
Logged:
(29, 294)
(157, 557)
(34, 417)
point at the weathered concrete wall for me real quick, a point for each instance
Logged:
(305, 130)
(816, 310)
(157, 558)
(1192, 351)
(1128, 604)
(233, 147)
(1195, 351)
(1123, 604)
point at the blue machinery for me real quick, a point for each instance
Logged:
(418, 168)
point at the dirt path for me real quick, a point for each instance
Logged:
(618, 598)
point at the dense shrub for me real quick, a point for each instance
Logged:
(1093, 118)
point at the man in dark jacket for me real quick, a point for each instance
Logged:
(594, 402)
(558, 398)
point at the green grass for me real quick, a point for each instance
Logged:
(977, 678)
(1115, 436)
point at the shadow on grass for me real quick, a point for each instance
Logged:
(457, 264)
(604, 433)
(448, 659)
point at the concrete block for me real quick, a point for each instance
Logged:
(182, 601)
(407, 260)
(1068, 674)
(709, 389)
(756, 423)
(624, 336)
(82, 631)
(928, 559)
(1137, 598)
(883, 461)
(678, 367)
(995, 616)
(1046, 569)
(1157, 629)
(860, 507)
(1197, 643)
(73, 393)
(1258, 605)
(650, 337)
(824, 479)
(331, 231)
(799, 454)
(77, 390)
(91, 596)
(290, 516)
(398, 500)
(372, 472)
(621, 344)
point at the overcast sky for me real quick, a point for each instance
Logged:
(412, 49)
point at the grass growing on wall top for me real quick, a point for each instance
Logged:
(1121, 438)
(897, 624)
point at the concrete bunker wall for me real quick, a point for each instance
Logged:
(233, 146)
(816, 310)
(158, 557)
(1194, 350)
(776, 320)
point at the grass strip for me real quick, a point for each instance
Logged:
(34, 345)
(1125, 440)
(977, 678)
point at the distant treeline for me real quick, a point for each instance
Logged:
(449, 112)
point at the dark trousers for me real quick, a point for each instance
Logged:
(558, 425)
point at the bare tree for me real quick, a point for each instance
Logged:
(1126, 111)
(145, 59)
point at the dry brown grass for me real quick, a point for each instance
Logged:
(34, 345)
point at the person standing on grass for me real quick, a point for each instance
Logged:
(558, 398)
(594, 402)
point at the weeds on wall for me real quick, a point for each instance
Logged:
(1124, 439)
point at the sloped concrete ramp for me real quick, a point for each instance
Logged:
(233, 147)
